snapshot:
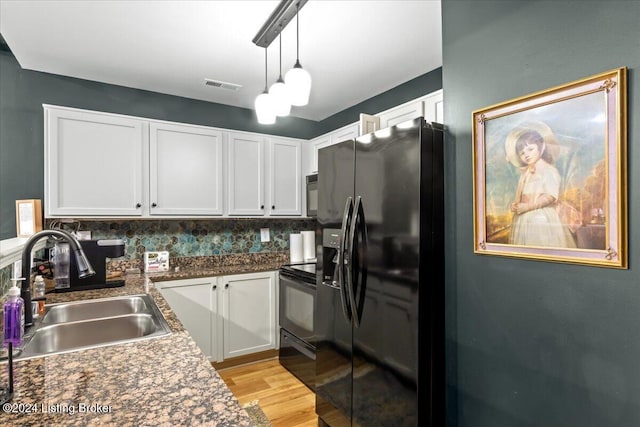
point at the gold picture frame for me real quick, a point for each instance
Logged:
(550, 174)
(28, 217)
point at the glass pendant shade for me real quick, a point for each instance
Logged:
(298, 81)
(265, 109)
(280, 95)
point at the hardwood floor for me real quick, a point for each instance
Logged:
(283, 398)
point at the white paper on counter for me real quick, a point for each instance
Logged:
(308, 244)
(295, 247)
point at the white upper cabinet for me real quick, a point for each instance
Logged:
(434, 107)
(285, 176)
(185, 166)
(246, 174)
(429, 106)
(94, 164)
(331, 138)
(401, 114)
(318, 143)
(109, 165)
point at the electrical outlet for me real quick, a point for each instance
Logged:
(264, 235)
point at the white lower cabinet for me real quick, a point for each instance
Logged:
(227, 316)
(196, 302)
(249, 313)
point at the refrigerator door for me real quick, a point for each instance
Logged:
(332, 312)
(386, 276)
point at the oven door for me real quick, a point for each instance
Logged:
(298, 357)
(297, 299)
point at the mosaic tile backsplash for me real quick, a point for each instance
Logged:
(196, 239)
(186, 238)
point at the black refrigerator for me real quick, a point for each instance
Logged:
(379, 309)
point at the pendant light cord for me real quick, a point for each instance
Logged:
(265, 69)
(280, 38)
(298, 32)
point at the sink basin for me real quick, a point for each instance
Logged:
(95, 323)
(75, 311)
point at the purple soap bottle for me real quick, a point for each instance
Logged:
(13, 316)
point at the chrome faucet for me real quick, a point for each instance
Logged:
(84, 267)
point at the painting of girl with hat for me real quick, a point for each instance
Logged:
(549, 174)
(544, 176)
(536, 221)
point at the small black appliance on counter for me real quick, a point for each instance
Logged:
(97, 252)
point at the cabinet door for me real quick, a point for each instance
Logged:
(318, 143)
(401, 114)
(342, 134)
(345, 133)
(434, 107)
(286, 178)
(195, 302)
(249, 313)
(246, 174)
(94, 164)
(185, 170)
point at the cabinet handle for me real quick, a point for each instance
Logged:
(215, 287)
(273, 206)
(226, 286)
(261, 206)
(153, 205)
(138, 205)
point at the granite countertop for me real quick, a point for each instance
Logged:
(163, 381)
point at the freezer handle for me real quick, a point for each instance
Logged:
(343, 261)
(358, 257)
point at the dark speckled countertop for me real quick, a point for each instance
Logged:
(165, 381)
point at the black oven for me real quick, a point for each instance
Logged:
(297, 293)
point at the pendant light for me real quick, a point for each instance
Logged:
(264, 105)
(280, 92)
(297, 79)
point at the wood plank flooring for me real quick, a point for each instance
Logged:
(283, 398)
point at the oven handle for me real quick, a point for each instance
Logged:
(297, 281)
(298, 346)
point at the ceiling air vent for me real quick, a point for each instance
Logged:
(222, 85)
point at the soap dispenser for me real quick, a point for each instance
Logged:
(13, 316)
(13, 332)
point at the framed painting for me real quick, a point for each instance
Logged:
(550, 178)
(28, 217)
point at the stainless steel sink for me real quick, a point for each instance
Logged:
(95, 323)
(92, 309)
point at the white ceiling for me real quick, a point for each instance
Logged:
(353, 49)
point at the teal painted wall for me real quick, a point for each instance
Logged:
(414, 88)
(535, 343)
(22, 93)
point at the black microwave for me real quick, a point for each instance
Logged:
(312, 195)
